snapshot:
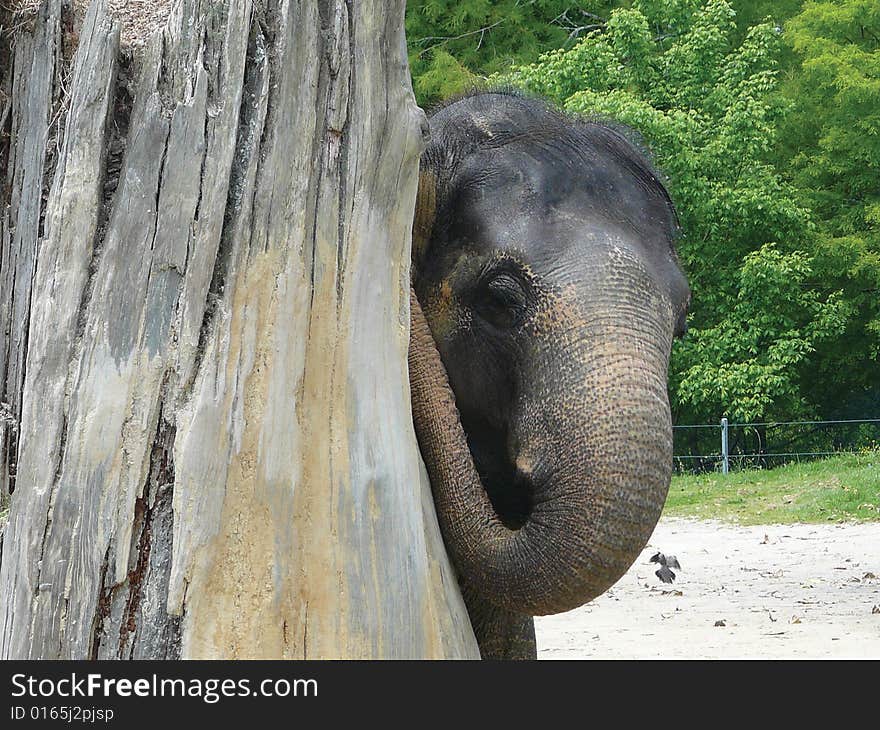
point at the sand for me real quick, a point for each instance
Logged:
(776, 591)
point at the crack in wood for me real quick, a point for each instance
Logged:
(114, 156)
(102, 607)
(159, 181)
(343, 67)
(245, 147)
(138, 625)
(198, 209)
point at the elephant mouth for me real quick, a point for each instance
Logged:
(511, 494)
(513, 498)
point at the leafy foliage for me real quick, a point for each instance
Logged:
(831, 148)
(749, 359)
(452, 45)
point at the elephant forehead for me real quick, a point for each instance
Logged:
(503, 195)
(543, 176)
(556, 240)
(594, 280)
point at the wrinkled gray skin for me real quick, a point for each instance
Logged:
(544, 263)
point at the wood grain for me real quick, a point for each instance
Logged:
(205, 327)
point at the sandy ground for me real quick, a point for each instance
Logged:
(781, 591)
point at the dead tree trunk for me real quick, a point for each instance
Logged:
(204, 260)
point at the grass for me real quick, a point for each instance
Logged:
(840, 489)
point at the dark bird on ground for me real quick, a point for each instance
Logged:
(667, 562)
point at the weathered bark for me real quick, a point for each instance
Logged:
(204, 330)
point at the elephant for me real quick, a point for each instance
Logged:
(546, 292)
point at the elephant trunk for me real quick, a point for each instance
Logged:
(594, 442)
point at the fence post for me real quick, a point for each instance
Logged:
(725, 466)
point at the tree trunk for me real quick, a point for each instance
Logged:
(204, 257)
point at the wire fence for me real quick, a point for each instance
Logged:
(724, 446)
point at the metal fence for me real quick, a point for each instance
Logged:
(721, 446)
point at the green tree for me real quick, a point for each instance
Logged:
(752, 12)
(830, 144)
(453, 45)
(709, 109)
(750, 358)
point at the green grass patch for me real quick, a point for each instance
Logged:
(840, 489)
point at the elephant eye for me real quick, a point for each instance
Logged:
(500, 300)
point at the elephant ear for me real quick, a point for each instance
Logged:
(425, 215)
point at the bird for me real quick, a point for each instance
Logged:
(667, 562)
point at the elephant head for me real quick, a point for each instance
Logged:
(544, 264)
